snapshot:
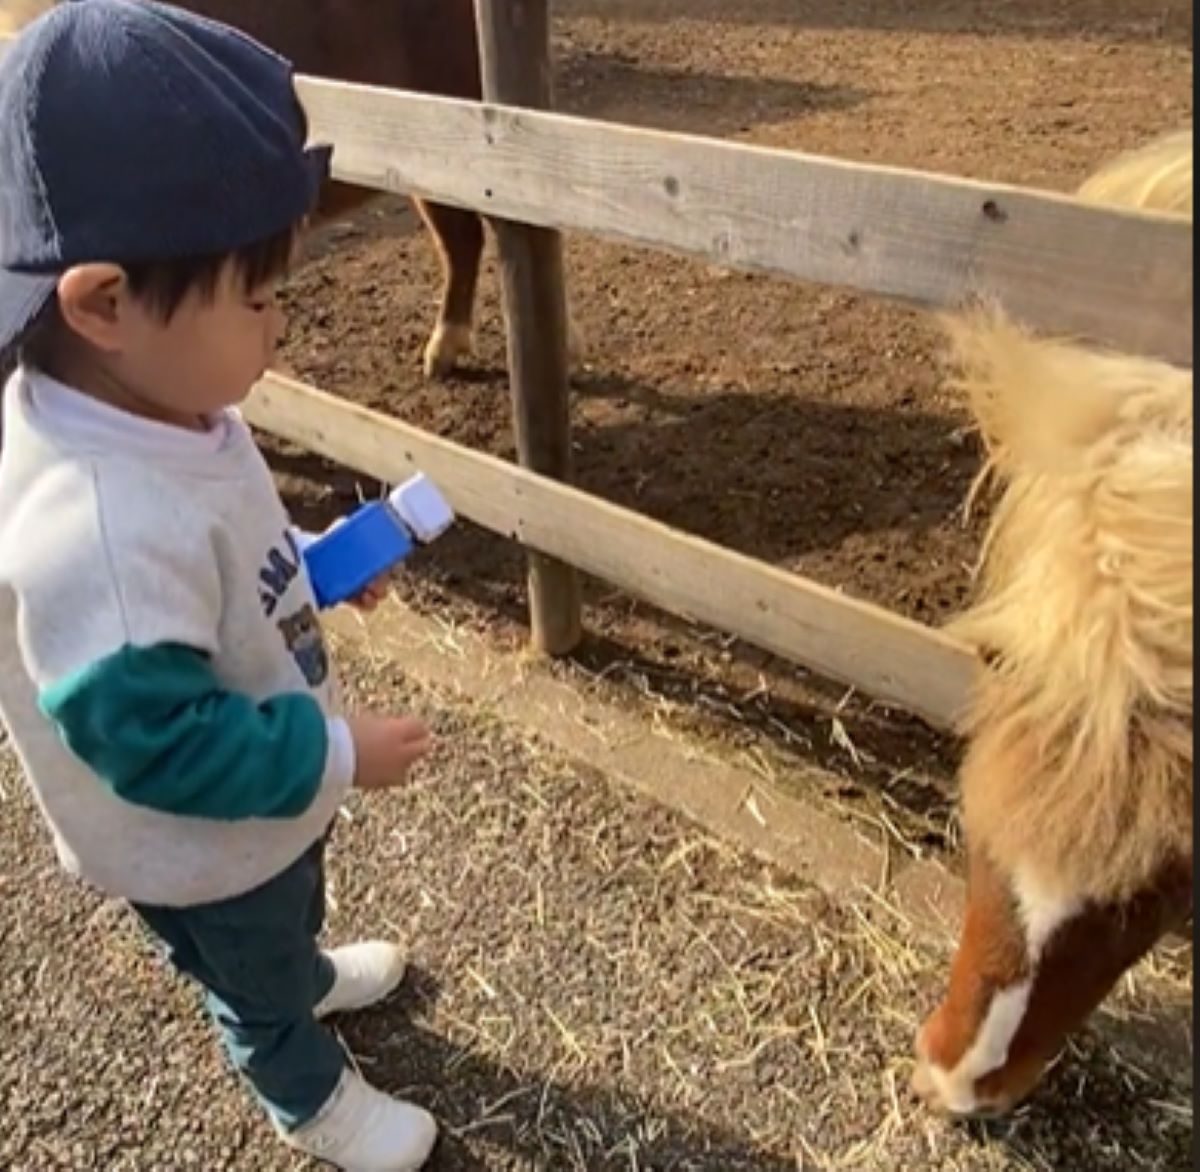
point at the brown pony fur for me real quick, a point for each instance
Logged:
(1079, 766)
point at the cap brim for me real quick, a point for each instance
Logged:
(22, 296)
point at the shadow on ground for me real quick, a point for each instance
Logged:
(542, 1123)
(623, 88)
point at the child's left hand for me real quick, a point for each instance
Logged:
(374, 593)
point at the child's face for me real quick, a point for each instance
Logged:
(205, 358)
(209, 354)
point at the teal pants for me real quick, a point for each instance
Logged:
(256, 957)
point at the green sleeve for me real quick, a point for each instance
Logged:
(159, 729)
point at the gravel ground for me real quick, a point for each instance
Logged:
(594, 986)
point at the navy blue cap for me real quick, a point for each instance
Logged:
(134, 131)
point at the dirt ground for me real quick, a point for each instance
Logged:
(595, 987)
(802, 425)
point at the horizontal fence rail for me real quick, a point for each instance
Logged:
(1117, 276)
(888, 657)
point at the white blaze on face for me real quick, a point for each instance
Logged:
(1042, 913)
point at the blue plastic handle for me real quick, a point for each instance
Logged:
(343, 562)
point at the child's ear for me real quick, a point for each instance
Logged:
(94, 302)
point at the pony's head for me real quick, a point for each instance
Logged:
(1077, 778)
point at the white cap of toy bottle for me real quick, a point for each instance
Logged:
(422, 508)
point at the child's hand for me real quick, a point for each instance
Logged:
(374, 593)
(386, 748)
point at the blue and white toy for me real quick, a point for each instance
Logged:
(352, 553)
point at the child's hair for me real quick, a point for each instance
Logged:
(163, 286)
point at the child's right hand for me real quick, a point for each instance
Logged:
(386, 748)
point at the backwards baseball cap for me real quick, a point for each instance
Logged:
(133, 131)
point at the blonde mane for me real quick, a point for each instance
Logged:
(1079, 765)
(1157, 177)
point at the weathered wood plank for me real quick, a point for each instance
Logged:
(1121, 277)
(883, 655)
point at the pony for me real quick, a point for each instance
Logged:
(1076, 782)
(430, 46)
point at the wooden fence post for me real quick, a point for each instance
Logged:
(514, 49)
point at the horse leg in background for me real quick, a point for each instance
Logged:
(458, 235)
(1030, 969)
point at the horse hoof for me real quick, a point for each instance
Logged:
(450, 342)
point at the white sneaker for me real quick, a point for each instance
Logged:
(365, 973)
(361, 1129)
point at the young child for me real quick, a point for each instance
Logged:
(162, 671)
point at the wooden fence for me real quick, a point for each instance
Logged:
(1115, 276)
